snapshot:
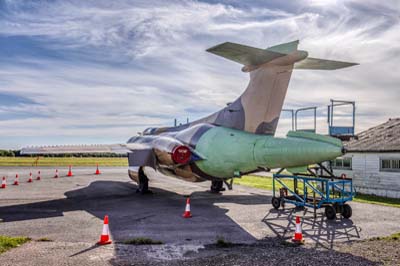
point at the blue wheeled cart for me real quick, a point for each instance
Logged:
(314, 192)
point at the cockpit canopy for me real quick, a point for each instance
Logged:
(149, 131)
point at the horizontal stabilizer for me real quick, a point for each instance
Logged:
(321, 64)
(245, 55)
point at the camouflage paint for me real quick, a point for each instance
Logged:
(258, 109)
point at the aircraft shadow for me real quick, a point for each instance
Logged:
(101, 195)
(156, 216)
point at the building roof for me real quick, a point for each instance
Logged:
(382, 138)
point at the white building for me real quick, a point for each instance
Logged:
(373, 160)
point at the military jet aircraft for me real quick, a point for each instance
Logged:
(236, 140)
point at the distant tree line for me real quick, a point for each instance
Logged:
(9, 153)
(17, 153)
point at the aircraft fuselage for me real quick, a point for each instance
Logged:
(222, 153)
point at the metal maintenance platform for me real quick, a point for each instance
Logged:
(314, 192)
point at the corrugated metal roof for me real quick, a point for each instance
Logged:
(382, 138)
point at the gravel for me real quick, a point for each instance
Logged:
(275, 252)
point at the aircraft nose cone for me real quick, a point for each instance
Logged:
(319, 152)
(297, 152)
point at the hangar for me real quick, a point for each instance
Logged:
(373, 160)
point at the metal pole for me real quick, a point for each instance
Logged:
(314, 203)
(354, 118)
(273, 185)
(315, 119)
(332, 103)
(292, 120)
(305, 109)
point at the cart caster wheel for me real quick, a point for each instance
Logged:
(330, 212)
(347, 211)
(276, 202)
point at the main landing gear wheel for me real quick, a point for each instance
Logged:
(347, 211)
(143, 183)
(276, 202)
(217, 186)
(330, 212)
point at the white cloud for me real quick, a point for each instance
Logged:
(128, 64)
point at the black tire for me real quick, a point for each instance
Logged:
(217, 186)
(143, 187)
(347, 211)
(330, 212)
(276, 202)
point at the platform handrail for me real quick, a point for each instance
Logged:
(342, 188)
(291, 191)
(314, 189)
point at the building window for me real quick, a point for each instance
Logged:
(390, 165)
(342, 163)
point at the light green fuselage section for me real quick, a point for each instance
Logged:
(229, 151)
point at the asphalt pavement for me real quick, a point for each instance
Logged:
(69, 211)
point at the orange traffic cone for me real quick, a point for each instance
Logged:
(70, 171)
(16, 183)
(38, 176)
(187, 213)
(97, 170)
(4, 182)
(56, 175)
(30, 180)
(298, 235)
(105, 235)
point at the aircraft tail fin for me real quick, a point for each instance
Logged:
(258, 109)
(284, 48)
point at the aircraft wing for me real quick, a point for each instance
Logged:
(98, 148)
(322, 64)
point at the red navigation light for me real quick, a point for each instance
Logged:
(181, 154)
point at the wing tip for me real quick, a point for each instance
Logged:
(348, 64)
(215, 47)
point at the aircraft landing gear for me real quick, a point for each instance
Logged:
(217, 186)
(143, 187)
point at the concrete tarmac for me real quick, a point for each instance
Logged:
(70, 210)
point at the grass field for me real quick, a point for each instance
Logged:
(63, 161)
(395, 237)
(266, 183)
(7, 242)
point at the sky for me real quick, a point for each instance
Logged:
(99, 71)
